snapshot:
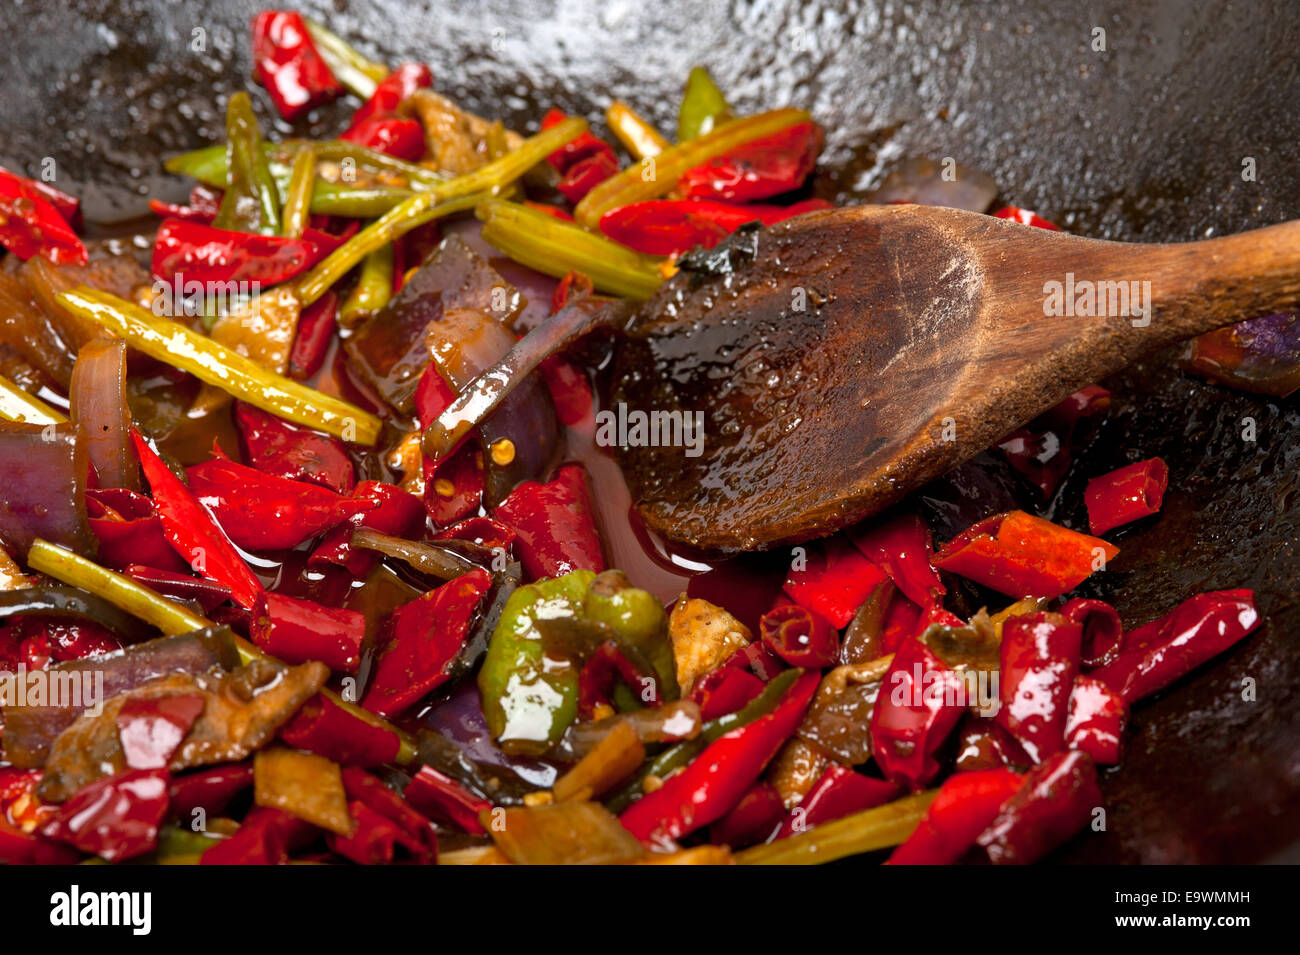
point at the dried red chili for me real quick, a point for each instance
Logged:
(921, 700)
(1126, 494)
(377, 124)
(1040, 658)
(1054, 802)
(799, 636)
(759, 169)
(30, 224)
(287, 63)
(555, 523)
(838, 792)
(962, 809)
(300, 630)
(1095, 724)
(327, 729)
(834, 581)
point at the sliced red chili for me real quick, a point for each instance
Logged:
(838, 792)
(116, 817)
(920, 702)
(901, 548)
(129, 530)
(30, 224)
(1096, 720)
(556, 524)
(300, 630)
(961, 810)
(1056, 800)
(1043, 449)
(276, 447)
(1040, 658)
(799, 636)
(325, 728)
(759, 169)
(287, 63)
(1126, 494)
(1025, 217)
(836, 580)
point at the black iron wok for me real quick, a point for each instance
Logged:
(1143, 141)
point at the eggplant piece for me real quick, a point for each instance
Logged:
(390, 351)
(30, 731)
(73, 605)
(43, 472)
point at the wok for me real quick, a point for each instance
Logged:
(1142, 141)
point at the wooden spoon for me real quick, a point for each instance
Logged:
(861, 352)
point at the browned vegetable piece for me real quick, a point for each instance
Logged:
(700, 855)
(23, 327)
(457, 139)
(796, 769)
(566, 833)
(391, 351)
(242, 711)
(302, 784)
(610, 762)
(263, 330)
(863, 637)
(839, 718)
(116, 272)
(702, 635)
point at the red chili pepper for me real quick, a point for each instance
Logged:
(1020, 555)
(208, 594)
(1056, 800)
(585, 175)
(673, 226)
(284, 450)
(961, 810)
(754, 819)
(1126, 494)
(1096, 721)
(192, 533)
(573, 286)
(377, 124)
(606, 668)
(583, 147)
(920, 702)
(1040, 658)
(836, 580)
(324, 727)
(708, 788)
(264, 838)
(1043, 449)
(424, 638)
(555, 523)
(1025, 217)
(209, 789)
(384, 821)
(381, 507)
(756, 658)
(300, 630)
(800, 637)
(287, 63)
(205, 254)
(151, 729)
(69, 207)
(128, 529)
(901, 548)
(1102, 630)
(453, 486)
(758, 169)
(116, 817)
(1155, 655)
(32, 224)
(569, 387)
(42, 640)
(204, 205)
(443, 799)
(482, 531)
(316, 327)
(724, 690)
(839, 792)
(263, 512)
(902, 620)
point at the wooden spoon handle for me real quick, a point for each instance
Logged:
(1201, 286)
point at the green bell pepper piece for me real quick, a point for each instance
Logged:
(703, 106)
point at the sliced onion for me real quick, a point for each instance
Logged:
(98, 403)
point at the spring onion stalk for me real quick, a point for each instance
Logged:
(865, 831)
(656, 176)
(635, 132)
(357, 73)
(373, 289)
(448, 196)
(556, 248)
(211, 362)
(297, 199)
(18, 405)
(136, 599)
(168, 616)
(209, 164)
(396, 222)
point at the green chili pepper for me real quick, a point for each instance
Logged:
(252, 200)
(677, 756)
(703, 106)
(359, 74)
(297, 200)
(637, 618)
(528, 704)
(18, 405)
(373, 289)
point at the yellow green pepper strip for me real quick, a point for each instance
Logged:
(214, 363)
(703, 106)
(555, 247)
(209, 164)
(373, 289)
(297, 200)
(18, 405)
(865, 831)
(658, 175)
(249, 174)
(357, 73)
(169, 617)
(635, 132)
(451, 195)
